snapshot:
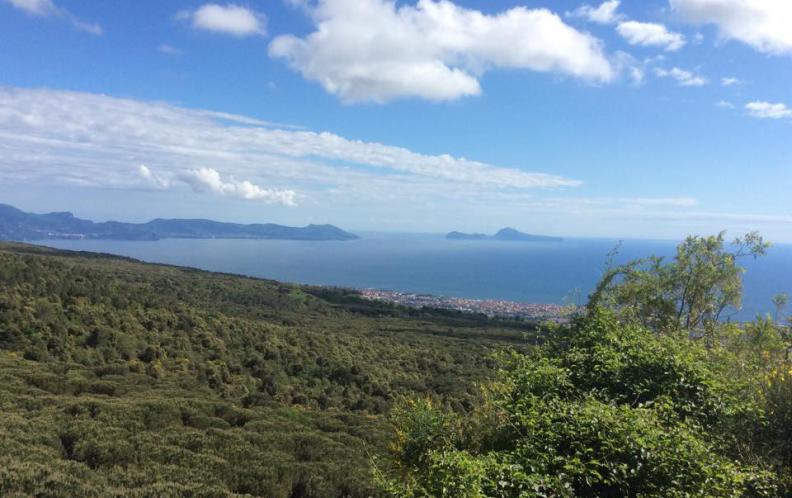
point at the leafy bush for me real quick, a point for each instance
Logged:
(604, 409)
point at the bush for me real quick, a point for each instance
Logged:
(604, 409)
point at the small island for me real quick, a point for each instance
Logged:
(507, 234)
(465, 236)
(20, 226)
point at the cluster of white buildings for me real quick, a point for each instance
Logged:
(489, 307)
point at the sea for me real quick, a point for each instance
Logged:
(535, 272)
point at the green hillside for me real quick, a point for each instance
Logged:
(119, 378)
(129, 379)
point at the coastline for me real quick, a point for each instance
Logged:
(490, 307)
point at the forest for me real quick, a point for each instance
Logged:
(119, 378)
(131, 379)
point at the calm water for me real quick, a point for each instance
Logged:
(554, 272)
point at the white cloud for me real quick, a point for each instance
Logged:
(66, 138)
(228, 19)
(632, 67)
(724, 104)
(649, 34)
(762, 24)
(35, 7)
(605, 13)
(730, 81)
(153, 179)
(375, 51)
(89, 27)
(169, 50)
(46, 8)
(683, 77)
(766, 110)
(209, 179)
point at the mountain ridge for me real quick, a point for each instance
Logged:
(16, 224)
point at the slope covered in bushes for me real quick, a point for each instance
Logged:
(150, 380)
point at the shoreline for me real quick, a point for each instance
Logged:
(490, 307)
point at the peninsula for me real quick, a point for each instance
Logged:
(19, 225)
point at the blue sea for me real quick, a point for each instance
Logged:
(538, 272)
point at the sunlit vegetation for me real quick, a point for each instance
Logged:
(646, 394)
(126, 379)
(119, 378)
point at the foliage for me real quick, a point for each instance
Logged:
(125, 379)
(689, 293)
(604, 409)
(647, 394)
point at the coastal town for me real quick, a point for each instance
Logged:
(489, 307)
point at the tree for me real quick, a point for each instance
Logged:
(601, 409)
(691, 292)
(780, 301)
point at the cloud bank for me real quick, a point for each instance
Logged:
(67, 138)
(376, 51)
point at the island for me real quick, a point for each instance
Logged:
(507, 234)
(18, 225)
(466, 236)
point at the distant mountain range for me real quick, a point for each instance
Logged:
(508, 234)
(19, 225)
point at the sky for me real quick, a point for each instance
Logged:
(632, 119)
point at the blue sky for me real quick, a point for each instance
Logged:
(646, 119)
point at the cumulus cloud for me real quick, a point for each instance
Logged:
(724, 104)
(730, 81)
(649, 34)
(682, 76)
(762, 24)
(376, 51)
(209, 179)
(230, 19)
(766, 110)
(67, 138)
(46, 8)
(605, 13)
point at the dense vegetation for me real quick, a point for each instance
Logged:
(646, 394)
(122, 378)
(126, 379)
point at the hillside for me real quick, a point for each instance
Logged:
(19, 225)
(152, 380)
